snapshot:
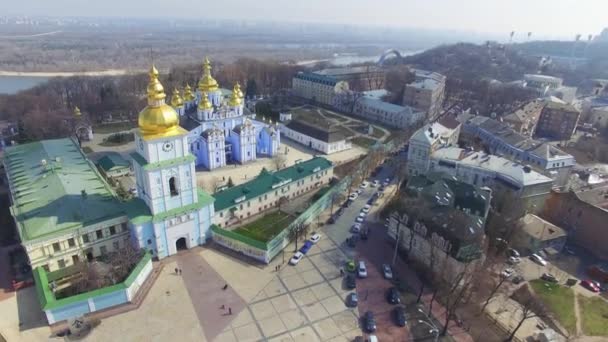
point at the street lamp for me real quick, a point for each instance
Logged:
(433, 330)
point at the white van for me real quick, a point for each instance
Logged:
(362, 270)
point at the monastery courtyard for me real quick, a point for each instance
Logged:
(303, 303)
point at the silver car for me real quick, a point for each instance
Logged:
(387, 271)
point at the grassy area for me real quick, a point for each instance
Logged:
(114, 127)
(363, 142)
(267, 227)
(560, 301)
(594, 313)
(377, 132)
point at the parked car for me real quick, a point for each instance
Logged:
(352, 300)
(359, 191)
(366, 208)
(369, 322)
(387, 271)
(392, 296)
(590, 285)
(350, 266)
(512, 260)
(315, 237)
(350, 281)
(549, 277)
(364, 184)
(353, 196)
(360, 218)
(400, 317)
(295, 259)
(569, 250)
(306, 247)
(332, 220)
(513, 252)
(375, 183)
(517, 279)
(362, 270)
(538, 259)
(356, 228)
(507, 272)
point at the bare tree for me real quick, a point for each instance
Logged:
(282, 201)
(296, 231)
(278, 161)
(457, 289)
(336, 196)
(493, 291)
(531, 307)
(213, 185)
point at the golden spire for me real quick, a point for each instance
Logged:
(207, 82)
(188, 96)
(158, 120)
(77, 111)
(235, 99)
(176, 100)
(204, 104)
(237, 89)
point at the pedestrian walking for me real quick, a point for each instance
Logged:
(180, 271)
(176, 271)
(225, 287)
(230, 311)
(223, 307)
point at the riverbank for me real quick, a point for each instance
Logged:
(109, 72)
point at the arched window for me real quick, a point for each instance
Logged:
(173, 186)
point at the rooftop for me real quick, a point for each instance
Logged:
(386, 106)
(597, 195)
(426, 74)
(561, 106)
(113, 161)
(544, 78)
(425, 84)
(529, 111)
(56, 189)
(515, 172)
(327, 133)
(268, 181)
(432, 133)
(376, 93)
(309, 76)
(348, 70)
(540, 229)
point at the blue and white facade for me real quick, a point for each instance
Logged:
(166, 182)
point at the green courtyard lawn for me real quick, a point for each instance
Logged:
(114, 127)
(363, 142)
(594, 312)
(560, 301)
(266, 227)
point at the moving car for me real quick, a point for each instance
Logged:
(387, 271)
(352, 300)
(538, 259)
(296, 258)
(364, 184)
(392, 296)
(400, 318)
(306, 247)
(315, 237)
(366, 208)
(549, 277)
(351, 281)
(369, 322)
(362, 270)
(590, 285)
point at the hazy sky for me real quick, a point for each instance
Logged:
(549, 18)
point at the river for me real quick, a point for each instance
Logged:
(14, 84)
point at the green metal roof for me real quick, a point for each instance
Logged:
(265, 181)
(159, 165)
(56, 189)
(113, 161)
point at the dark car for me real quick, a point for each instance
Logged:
(369, 322)
(352, 300)
(351, 281)
(306, 247)
(549, 277)
(517, 279)
(364, 234)
(331, 220)
(392, 296)
(399, 314)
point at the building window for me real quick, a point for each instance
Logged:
(56, 247)
(124, 227)
(99, 234)
(116, 245)
(112, 230)
(45, 267)
(173, 186)
(61, 263)
(71, 242)
(149, 241)
(103, 250)
(85, 238)
(221, 214)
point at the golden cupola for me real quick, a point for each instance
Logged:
(77, 112)
(158, 119)
(188, 96)
(204, 104)
(176, 100)
(237, 89)
(235, 99)
(207, 83)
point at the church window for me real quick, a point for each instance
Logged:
(99, 234)
(56, 247)
(61, 263)
(85, 238)
(112, 230)
(173, 186)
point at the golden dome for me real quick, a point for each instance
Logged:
(207, 82)
(235, 99)
(158, 119)
(204, 104)
(77, 111)
(176, 100)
